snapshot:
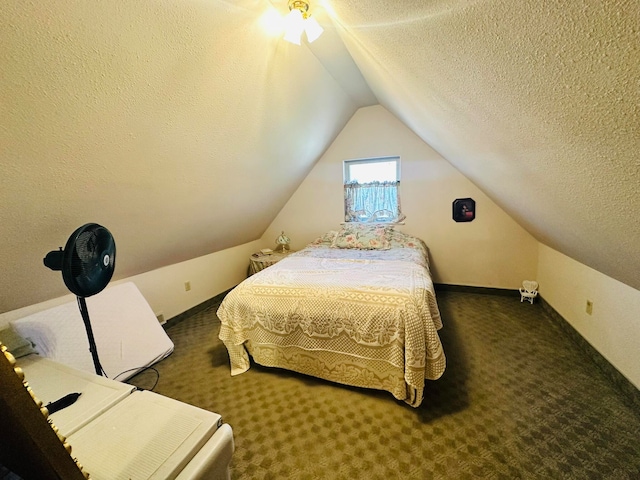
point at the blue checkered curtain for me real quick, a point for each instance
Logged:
(372, 202)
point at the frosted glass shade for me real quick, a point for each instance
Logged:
(312, 29)
(294, 25)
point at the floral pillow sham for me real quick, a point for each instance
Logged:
(325, 239)
(369, 237)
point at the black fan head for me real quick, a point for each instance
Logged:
(87, 261)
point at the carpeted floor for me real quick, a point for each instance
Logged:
(519, 399)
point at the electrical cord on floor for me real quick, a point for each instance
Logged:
(139, 373)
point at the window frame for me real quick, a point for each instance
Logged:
(351, 187)
(346, 173)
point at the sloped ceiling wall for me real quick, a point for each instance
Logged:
(180, 126)
(536, 102)
(184, 129)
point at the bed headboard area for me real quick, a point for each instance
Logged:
(127, 333)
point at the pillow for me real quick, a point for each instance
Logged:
(399, 239)
(17, 345)
(369, 237)
(363, 226)
(325, 239)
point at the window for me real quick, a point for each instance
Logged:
(371, 190)
(385, 169)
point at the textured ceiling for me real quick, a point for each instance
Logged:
(174, 124)
(186, 120)
(536, 102)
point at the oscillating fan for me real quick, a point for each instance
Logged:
(87, 264)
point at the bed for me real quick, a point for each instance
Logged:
(127, 333)
(356, 306)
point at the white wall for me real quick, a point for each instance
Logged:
(491, 251)
(164, 121)
(208, 275)
(163, 288)
(613, 328)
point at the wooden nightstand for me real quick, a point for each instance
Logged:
(259, 261)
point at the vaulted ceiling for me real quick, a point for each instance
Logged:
(185, 128)
(536, 102)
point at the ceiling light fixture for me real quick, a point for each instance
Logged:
(299, 20)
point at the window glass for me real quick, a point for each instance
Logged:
(372, 170)
(371, 190)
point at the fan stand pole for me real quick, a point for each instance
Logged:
(92, 342)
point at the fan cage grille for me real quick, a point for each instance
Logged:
(89, 260)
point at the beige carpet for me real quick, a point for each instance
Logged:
(519, 399)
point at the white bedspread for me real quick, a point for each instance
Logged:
(366, 318)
